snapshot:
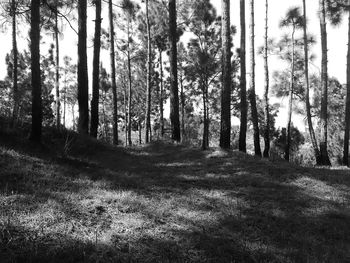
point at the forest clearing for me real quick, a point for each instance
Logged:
(174, 131)
(165, 203)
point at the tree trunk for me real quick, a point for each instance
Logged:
(266, 92)
(307, 91)
(125, 118)
(225, 130)
(129, 101)
(205, 142)
(243, 82)
(182, 97)
(290, 102)
(73, 116)
(324, 159)
(36, 75)
(140, 132)
(161, 106)
(347, 104)
(15, 65)
(174, 96)
(113, 73)
(64, 106)
(96, 72)
(252, 96)
(83, 84)
(57, 80)
(148, 92)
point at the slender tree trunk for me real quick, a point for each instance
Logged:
(83, 84)
(36, 75)
(307, 91)
(104, 116)
(290, 102)
(266, 93)
(347, 104)
(182, 97)
(96, 72)
(225, 131)
(252, 97)
(174, 96)
(64, 106)
(129, 101)
(15, 64)
(324, 86)
(125, 118)
(243, 82)
(113, 73)
(140, 132)
(205, 122)
(73, 116)
(161, 106)
(149, 67)
(57, 80)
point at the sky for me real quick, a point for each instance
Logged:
(337, 41)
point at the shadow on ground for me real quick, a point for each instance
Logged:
(166, 203)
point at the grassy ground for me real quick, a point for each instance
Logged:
(90, 202)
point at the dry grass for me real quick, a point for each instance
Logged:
(165, 203)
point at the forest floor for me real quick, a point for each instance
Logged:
(74, 199)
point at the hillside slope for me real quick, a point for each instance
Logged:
(90, 202)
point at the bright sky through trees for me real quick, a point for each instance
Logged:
(336, 37)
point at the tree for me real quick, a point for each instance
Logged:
(252, 97)
(225, 132)
(96, 71)
(36, 75)
(307, 89)
(83, 85)
(266, 92)
(347, 105)
(203, 59)
(149, 68)
(174, 96)
(324, 159)
(243, 82)
(160, 36)
(12, 10)
(294, 19)
(113, 77)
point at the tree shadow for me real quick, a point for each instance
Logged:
(166, 203)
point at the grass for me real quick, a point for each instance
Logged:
(91, 202)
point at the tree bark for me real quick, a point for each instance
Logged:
(149, 67)
(125, 118)
(225, 131)
(96, 72)
(266, 91)
(161, 106)
(290, 102)
(57, 80)
(15, 64)
(36, 75)
(83, 84)
(129, 101)
(205, 141)
(174, 96)
(243, 81)
(324, 159)
(182, 98)
(307, 90)
(252, 96)
(347, 105)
